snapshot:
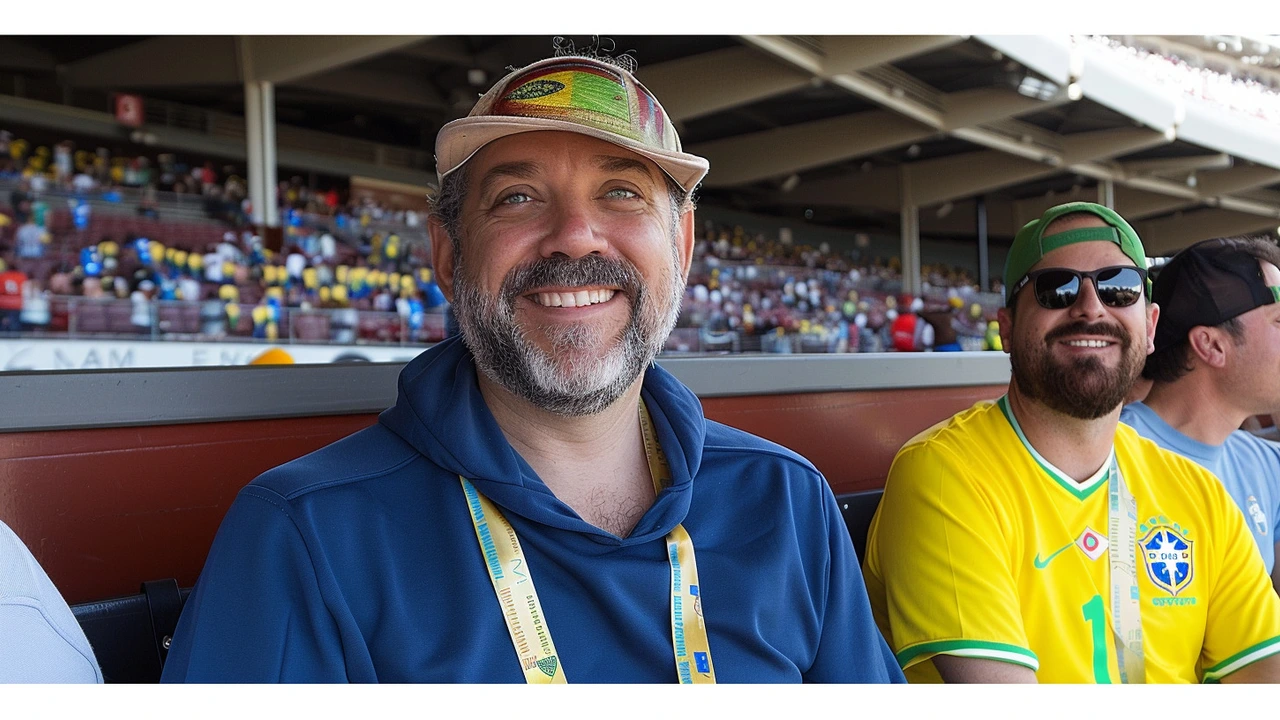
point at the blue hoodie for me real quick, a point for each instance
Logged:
(359, 562)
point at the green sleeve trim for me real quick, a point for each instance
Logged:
(1264, 649)
(969, 648)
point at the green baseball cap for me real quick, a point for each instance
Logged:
(1031, 244)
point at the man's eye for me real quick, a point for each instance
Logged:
(514, 199)
(621, 194)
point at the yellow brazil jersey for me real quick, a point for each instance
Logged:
(981, 548)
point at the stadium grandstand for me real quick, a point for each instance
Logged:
(174, 206)
(904, 164)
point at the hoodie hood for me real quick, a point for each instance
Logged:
(440, 412)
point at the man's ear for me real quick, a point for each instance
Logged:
(1210, 345)
(1153, 317)
(441, 256)
(1005, 318)
(685, 239)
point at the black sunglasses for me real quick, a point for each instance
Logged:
(1058, 288)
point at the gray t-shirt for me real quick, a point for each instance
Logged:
(40, 640)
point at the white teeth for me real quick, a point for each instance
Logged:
(580, 298)
(1089, 343)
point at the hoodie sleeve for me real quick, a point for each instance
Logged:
(256, 614)
(851, 649)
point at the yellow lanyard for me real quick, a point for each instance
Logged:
(513, 584)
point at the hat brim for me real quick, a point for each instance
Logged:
(459, 140)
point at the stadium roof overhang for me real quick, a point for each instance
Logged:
(853, 131)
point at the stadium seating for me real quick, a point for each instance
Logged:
(858, 509)
(130, 636)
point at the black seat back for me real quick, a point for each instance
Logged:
(130, 636)
(858, 509)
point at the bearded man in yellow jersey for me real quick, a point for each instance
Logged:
(1035, 538)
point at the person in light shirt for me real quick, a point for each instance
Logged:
(1217, 353)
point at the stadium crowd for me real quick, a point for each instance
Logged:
(221, 188)
(1250, 95)
(747, 292)
(381, 291)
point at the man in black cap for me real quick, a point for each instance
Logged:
(1217, 363)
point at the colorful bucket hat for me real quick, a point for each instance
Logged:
(571, 94)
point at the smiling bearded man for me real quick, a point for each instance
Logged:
(543, 449)
(572, 378)
(1038, 539)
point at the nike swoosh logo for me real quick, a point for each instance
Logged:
(1042, 564)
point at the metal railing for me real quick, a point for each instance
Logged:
(76, 317)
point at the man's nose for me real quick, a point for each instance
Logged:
(1088, 306)
(573, 232)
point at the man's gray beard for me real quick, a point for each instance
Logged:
(1084, 389)
(571, 379)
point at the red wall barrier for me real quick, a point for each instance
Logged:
(104, 510)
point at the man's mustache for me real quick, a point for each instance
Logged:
(561, 271)
(1083, 328)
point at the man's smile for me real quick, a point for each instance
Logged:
(572, 298)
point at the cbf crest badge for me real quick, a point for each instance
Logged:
(1169, 558)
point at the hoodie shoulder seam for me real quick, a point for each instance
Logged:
(324, 484)
(790, 456)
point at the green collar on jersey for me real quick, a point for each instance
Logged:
(1080, 490)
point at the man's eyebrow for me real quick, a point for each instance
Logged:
(521, 169)
(614, 163)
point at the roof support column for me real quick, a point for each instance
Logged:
(253, 136)
(1107, 193)
(984, 256)
(271, 208)
(260, 132)
(910, 237)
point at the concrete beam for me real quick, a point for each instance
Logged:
(769, 153)
(407, 90)
(1134, 204)
(1167, 235)
(453, 50)
(1027, 209)
(967, 174)
(1107, 144)
(848, 54)
(286, 58)
(1191, 163)
(718, 80)
(983, 105)
(1236, 179)
(166, 61)
(17, 55)
(877, 189)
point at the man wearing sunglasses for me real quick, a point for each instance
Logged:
(1035, 538)
(1215, 365)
